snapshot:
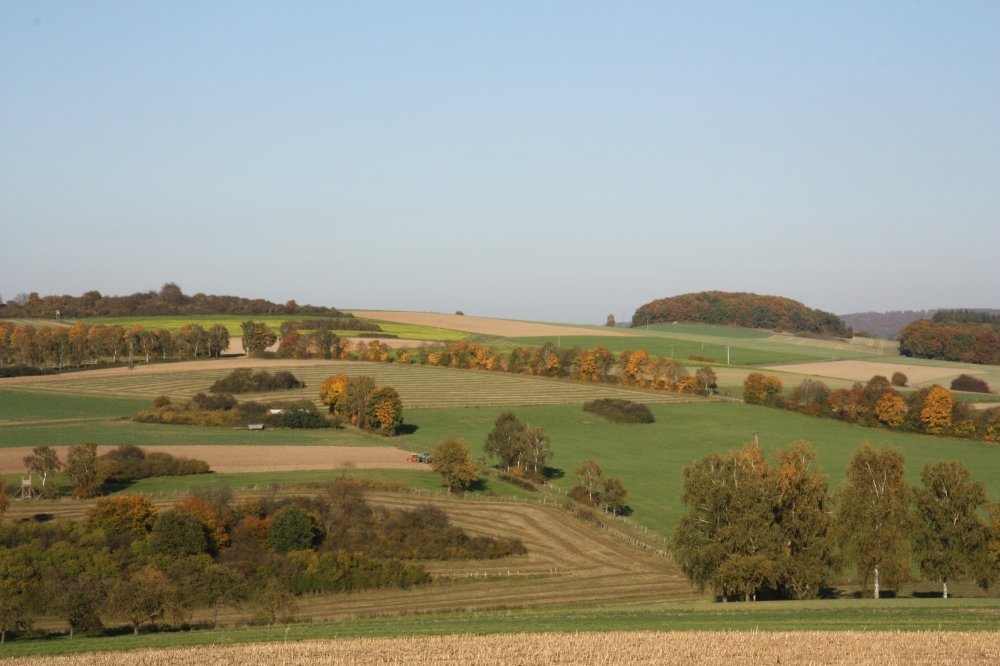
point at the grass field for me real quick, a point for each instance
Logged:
(745, 348)
(789, 632)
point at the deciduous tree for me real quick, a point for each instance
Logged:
(950, 540)
(504, 442)
(935, 416)
(452, 459)
(874, 518)
(84, 470)
(384, 410)
(42, 461)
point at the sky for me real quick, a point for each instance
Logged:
(545, 160)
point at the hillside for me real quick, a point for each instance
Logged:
(741, 309)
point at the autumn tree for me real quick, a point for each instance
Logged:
(42, 461)
(890, 409)
(384, 410)
(898, 379)
(452, 459)
(803, 518)
(18, 587)
(760, 389)
(590, 479)
(536, 450)
(257, 337)
(122, 514)
(331, 390)
(950, 539)
(935, 415)
(353, 400)
(177, 534)
(84, 470)
(504, 441)
(729, 538)
(706, 379)
(613, 496)
(143, 595)
(874, 518)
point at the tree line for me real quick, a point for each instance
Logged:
(169, 300)
(741, 309)
(968, 340)
(130, 563)
(931, 410)
(759, 528)
(61, 347)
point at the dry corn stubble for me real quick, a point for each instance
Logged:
(848, 647)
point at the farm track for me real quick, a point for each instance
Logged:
(420, 387)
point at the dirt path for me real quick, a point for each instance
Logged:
(235, 458)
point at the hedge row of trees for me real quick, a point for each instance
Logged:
(169, 300)
(223, 410)
(877, 403)
(246, 380)
(88, 471)
(741, 309)
(129, 562)
(364, 405)
(966, 342)
(754, 527)
(77, 345)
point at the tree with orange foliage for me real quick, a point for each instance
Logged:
(890, 409)
(759, 389)
(634, 366)
(935, 416)
(209, 516)
(384, 409)
(332, 389)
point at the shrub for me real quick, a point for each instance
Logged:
(245, 380)
(969, 383)
(619, 410)
(899, 379)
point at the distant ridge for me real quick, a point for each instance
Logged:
(744, 309)
(169, 300)
(884, 324)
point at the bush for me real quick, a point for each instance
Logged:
(245, 380)
(619, 410)
(898, 379)
(129, 463)
(969, 383)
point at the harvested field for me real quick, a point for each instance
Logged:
(418, 386)
(236, 458)
(505, 328)
(862, 371)
(701, 647)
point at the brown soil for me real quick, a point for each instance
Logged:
(862, 371)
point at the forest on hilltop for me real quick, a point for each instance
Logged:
(741, 309)
(169, 300)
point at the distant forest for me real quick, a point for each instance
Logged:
(169, 300)
(886, 325)
(741, 309)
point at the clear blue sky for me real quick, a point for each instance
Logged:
(541, 160)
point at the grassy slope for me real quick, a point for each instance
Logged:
(649, 459)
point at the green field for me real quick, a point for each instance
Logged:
(745, 348)
(827, 615)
